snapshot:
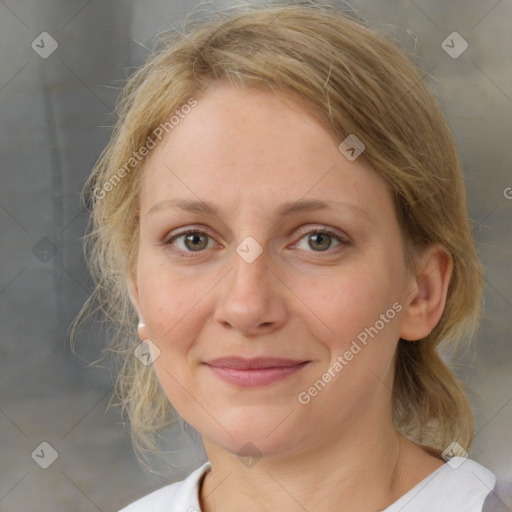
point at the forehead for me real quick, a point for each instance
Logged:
(252, 147)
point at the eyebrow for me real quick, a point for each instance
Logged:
(286, 209)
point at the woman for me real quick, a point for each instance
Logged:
(280, 218)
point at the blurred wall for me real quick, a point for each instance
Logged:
(61, 67)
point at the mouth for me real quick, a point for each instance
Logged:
(254, 372)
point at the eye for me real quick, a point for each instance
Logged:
(320, 240)
(192, 241)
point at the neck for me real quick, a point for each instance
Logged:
(362, 476)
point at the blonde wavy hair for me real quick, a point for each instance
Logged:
(357, 80)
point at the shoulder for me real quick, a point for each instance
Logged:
(182, 496)
(461, 484)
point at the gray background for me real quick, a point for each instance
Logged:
(54, 115)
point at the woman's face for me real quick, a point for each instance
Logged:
(257, 283)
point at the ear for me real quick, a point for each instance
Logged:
(133, 292)
(427, 298)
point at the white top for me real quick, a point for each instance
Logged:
(460, 485)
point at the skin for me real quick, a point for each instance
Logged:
(248, 152)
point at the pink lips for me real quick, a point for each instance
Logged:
(254, 372)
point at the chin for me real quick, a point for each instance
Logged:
(254, 433)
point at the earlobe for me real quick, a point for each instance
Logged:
(426, 302)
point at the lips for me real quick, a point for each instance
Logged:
(257, 372)
(239, 363)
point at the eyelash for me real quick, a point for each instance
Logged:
(190, 254)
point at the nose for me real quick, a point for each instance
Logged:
(252, 298)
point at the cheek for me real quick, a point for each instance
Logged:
(344, 305)
(171, 298)
(173, 319)
(177, 304)
(359, 329)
